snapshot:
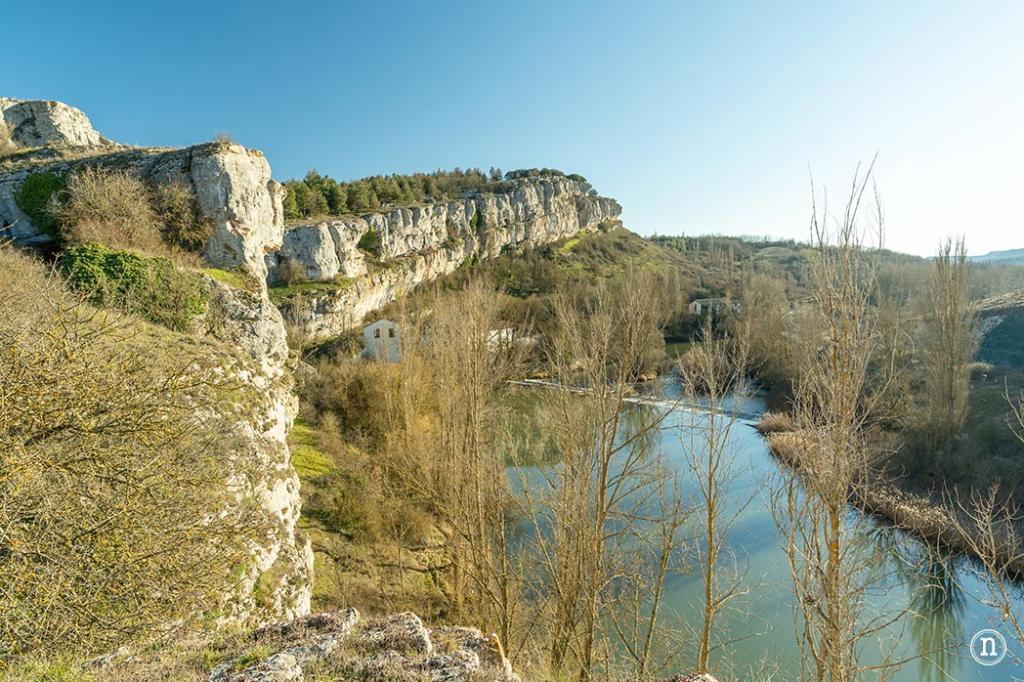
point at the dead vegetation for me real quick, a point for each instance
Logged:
(7, 145)
(118, 210)
(117, 524)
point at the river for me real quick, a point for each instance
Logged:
(944, 599)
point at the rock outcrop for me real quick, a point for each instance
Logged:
(234, 191)
(418, 244)
(343, 646)
(37, 123)
(278, 581)
(232, 185)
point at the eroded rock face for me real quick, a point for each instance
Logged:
(422, 243)
(534, 210)
(232, 185)
(278, 582)
(37, 123)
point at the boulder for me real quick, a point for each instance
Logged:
(277, 668)
(39, 123)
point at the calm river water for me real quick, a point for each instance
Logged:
(947, 601)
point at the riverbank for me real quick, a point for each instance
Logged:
(929, 516)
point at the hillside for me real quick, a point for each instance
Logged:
(194, 243)
(1007, 257)
(383, 485)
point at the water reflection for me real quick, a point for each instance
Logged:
(944, 601)
(937, 603)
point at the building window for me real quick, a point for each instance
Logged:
(376, 333)
(391, 333)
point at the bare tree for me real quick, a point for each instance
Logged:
(714, 373)
(949, 344)
(474, 355)
(609, 492)
(831, 450)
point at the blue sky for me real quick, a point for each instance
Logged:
(698, 117)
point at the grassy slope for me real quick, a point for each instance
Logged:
(349, 566)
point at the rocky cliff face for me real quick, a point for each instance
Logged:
(278, 582)
(422, 243)
(235, 192)
(232, 185)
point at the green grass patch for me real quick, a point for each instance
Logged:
(283, 293)
(571, 243)
(307, 458)
(232, 278)
(251, 657)
(677, 349)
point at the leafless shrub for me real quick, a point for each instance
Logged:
(992, 528)
(111, 208)
(293, 272)
(7, 144)
(775, 422)
(115, 446)
(181, 221)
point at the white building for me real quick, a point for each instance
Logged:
(382, 341)
(716, 305)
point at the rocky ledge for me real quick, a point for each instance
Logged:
(394, 648)
(335, 645)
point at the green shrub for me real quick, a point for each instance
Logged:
(183, 223)
(370, 242)
(35, 198)
(150, 287)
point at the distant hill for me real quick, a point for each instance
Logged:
(1008, 257)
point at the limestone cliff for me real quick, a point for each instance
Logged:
(235, 192)
(232, 184)
(278, 582)
(422, 243)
